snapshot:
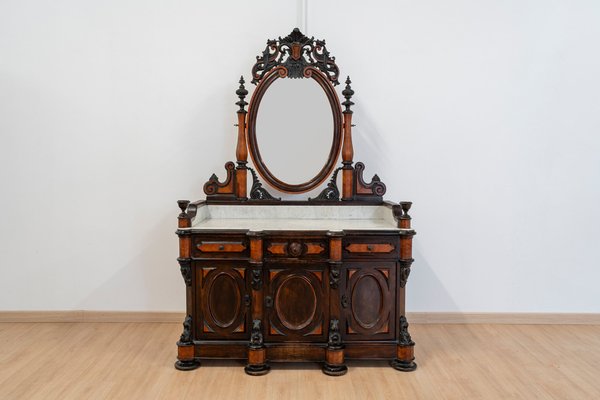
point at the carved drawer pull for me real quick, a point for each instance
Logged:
(370, 248)
(230, 247)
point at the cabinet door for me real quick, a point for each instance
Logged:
(296, 303)
(368, 300)
(222, 300)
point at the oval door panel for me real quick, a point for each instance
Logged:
(367, 301)
(296, 302)
(224, 299)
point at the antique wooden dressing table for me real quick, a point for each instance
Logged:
(271, 280)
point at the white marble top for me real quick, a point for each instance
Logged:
(295, 217)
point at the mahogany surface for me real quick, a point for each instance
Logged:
(274, 295)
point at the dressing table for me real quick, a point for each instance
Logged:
(270, 279)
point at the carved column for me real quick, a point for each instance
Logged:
(185, 346)
(242, 148)
(257, 354)
(405, 354)
(347, 148)
(334, 354)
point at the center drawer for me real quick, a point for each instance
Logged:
(296, 248)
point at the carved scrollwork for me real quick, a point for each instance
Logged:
(331, 192)
(185, 266)
(257, 192)
(404, 338)
(335, 338)
(295, 52)
(375, 188)
(256, 336)
(221, 189)
(186, 336)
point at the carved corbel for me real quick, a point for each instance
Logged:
(185, 266)
(372, 191)
(222, 190)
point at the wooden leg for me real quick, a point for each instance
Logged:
(257, 364)
(334, 363)
(185, 357)
(405, 360)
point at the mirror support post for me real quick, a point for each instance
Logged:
(241, 152)
(347, 149)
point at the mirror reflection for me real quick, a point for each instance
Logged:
(294, 129)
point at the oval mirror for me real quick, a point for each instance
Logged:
(294, 131)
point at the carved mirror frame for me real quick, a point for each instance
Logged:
(281, 72)
(295, 56)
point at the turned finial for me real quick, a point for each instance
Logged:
(183, 205)
(405, 207)
(347, 93)
(241, 93)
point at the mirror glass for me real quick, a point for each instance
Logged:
(294, 129)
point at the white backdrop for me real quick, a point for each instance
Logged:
(485, 114)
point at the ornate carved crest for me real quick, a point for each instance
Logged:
(295, 52)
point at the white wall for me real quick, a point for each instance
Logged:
(485, 114)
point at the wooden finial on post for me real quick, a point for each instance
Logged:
(242, 148)
(183, 220)
(347, 149)
(405, 218)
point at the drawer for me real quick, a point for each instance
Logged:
(371, 247)
(221, 246)
(304, 248)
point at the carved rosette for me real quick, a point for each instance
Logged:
(295, 52)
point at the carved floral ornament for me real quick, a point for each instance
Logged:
(295, 52)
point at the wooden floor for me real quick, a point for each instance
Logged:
(135, 361)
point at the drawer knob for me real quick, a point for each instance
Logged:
(221, 247)
(369, 248)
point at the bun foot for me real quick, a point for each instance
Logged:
(257, 370)
(187, 365)
(334, 370)
(402, 365)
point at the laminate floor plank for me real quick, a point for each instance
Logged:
(135, 361)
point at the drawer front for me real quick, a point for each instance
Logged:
(222, 246)
(304, 248)
(371, 247)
